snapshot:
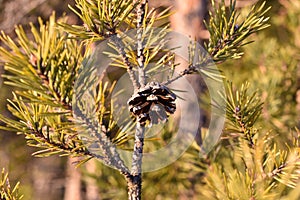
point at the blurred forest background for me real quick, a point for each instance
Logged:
(271, 65)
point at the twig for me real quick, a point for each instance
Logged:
(135, 184)
(110, 155)
(140, 44)
(113, 36)
(189, 70)
(117, 40)
(61, 146)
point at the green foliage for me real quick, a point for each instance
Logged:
(228, 33)
(105, 18)
(261, 161)
(242, 110)
(101, 18)
(273, 65)
(6, 191)
(43, 73)
(248, 163)
(228, 36)
(45, 66)
(258, 156)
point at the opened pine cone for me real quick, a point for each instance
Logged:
(152, 103)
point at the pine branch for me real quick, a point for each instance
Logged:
(6, 191)
(140, 41)
(101, 18)
(135, 187)
(44, 72)
(45, 68)
(111, 16)
(227, 38)
(283, 166)
(242, 109)
(191, 69)
(43, 129)
(98, 133)
(228, 34)
(121, 50)
(53, 147)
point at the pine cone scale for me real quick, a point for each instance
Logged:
(153, 103)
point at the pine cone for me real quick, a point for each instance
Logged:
(152, 103)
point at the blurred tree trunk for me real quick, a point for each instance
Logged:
(13, 12)
(188, 20)
(73, 181)
(92, 190)
(47, 179)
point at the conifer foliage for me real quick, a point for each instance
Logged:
(6, 189)
(45, 66)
